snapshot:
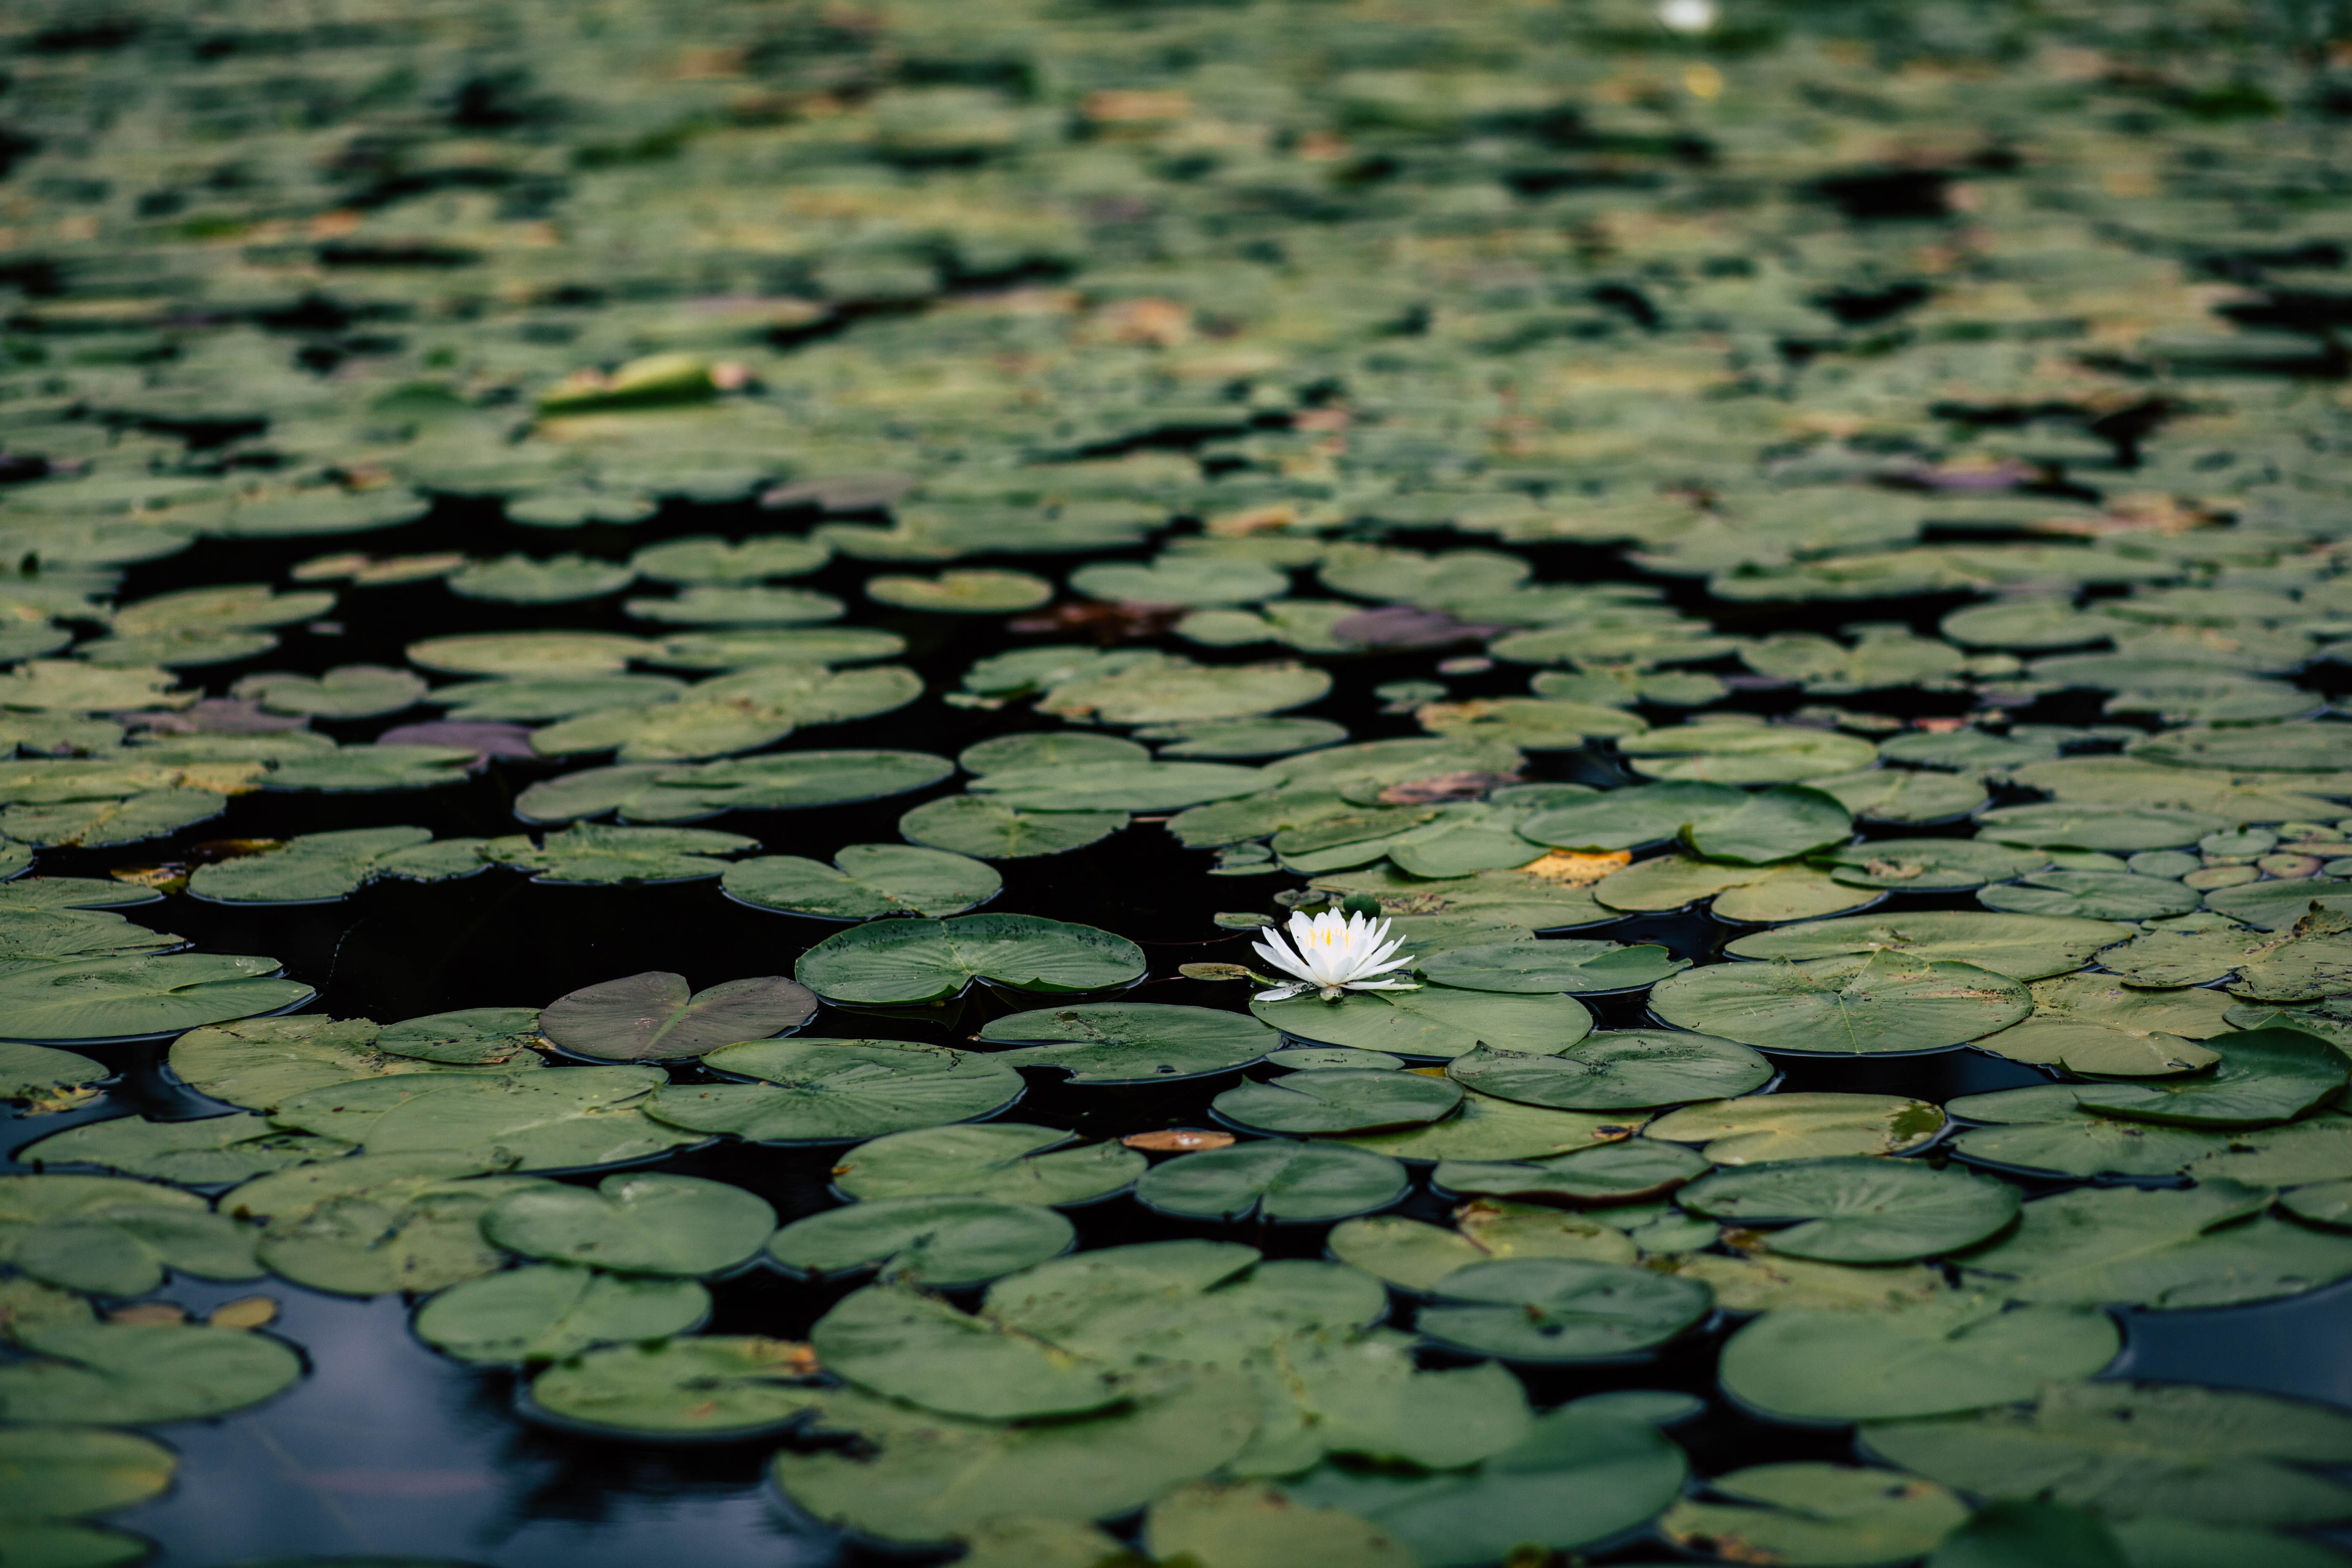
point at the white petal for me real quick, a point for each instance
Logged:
(1385, 985)
(1281, 958)
(1282, 992)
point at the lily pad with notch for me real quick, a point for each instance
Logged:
(1812, 1515)
(1777, 824)
(1934, 1359)
(578, 1118)
(1333, 1101)
(2092, 895)
(346, 691)
(634, 1223)
(142, 997)
(1931, 865)
(2023, 947)
(411, 1238)
(1276, 1181)
(1561, 1309)
(262, 1062)
(990, 830)
(836, 1091)
(142, 1374)
(1886, 1002)
(2263, 1076)
(591, 854)
(900, 1342)
(322, 867)
(864, 881)
(901, 961)
(208, 1150)
(1629, 819)
(1134, 1042)
(553, 1312)
(1436, 1020)
(708, 1387)
(942, 1243)
(1801, 1126)
(1855, 1209)
(2206, 1245)
(471, 1036)
(1413, 1255)
(1550, 967)
(1630, 1170)
(1617, 1069)
(657, 1017)
(2060, 825)
(1485, 1126)
(1011, 1161)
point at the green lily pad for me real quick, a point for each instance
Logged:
(1808, 1515)
(553, 1312)
(1249, 1526)
(66, 1472)
(655, 1016)
(2060, 825)
(1180, 580)
(703, 1387)
(737, 607)
(1888, 1001)
(1243, 737)
(1628, 818)
(1129, 1042)
(963, 592)
(1932, 865)
(897, 1341)
(634, 1223)
(322, 868)
(1617, 1069)
(530, 700)
(1734, 753)
(1759, 894)
(1857, 1210)
(208, 1150)
(124, 1247)
(1181, 693)
(1560, 1309)
(530, 655)
(1276, 1181)
(1336, 1101)
(346, 691)
(124, 1374)
(865, 881)
(139, 999)
(413, 1238)
(904, 960)
(1542, 968)
(551, 580)
(2219, 1456)
(1413, 1255)
(836, 1091)
(361, 770)
(30, 1071)
(1936, 1359)
(575, 1118)
(262, 1062)
(786, 780)
(2158, 1249)
(1436, 1020)
(990, 830)
(2023, 947)
(94, 823)
(2262, 1077)
(1628, 1170)
(1083, 786)
(1583, 1475)
(471, 1036)
(1010, 1161)
(2092, 895)
(1801, 1126)
(944, 1243)
(1777, 824)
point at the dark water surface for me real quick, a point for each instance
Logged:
(388, 1448)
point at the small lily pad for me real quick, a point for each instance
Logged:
(1548, 967)
(1131, 1042)
(1617, 1069)
(1802, 1126)
(1336, 1101)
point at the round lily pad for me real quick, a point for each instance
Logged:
(142, 1374)
(1134, 1042)
(1886, 1002)
(945, 1243)
(2094, 895)
(572, 1118)
(2263, 1076)
(837, 1092)
(1276, 1181)
(1628, 818)
(1010, 1161)
(1336, 1101)
(1436, 1021)
(409, 1236)
(635, 1223)
(864, 881)
(892, 963)
(1560, 1309)
(963, 592)
(2022, 946)
(471, 1036)
(990, 830)
(715, 1387)
(1814, 1515)
(1617, 1069)
(1931, 1359)
(1413, 1255)
(655, 1016)
(891, 1340)
(1628, 1171)
(1548, 967)
(529, 653)
(142, 998)
(1804, 1126)
(1484, 1127)
(1931, 865)
(65, 1472)
(551, 1312)
(1857, 1210)
(2058, 825)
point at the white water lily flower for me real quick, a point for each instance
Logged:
(1336, 954)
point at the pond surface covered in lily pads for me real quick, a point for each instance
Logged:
(660, 667)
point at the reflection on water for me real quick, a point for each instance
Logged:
(386, 1447)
